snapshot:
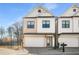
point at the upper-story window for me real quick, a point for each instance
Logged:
(45, 24)
(74, 10)
(39, 10)
(30, 24)
(65, 24)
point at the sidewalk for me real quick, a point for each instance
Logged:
(6, 51)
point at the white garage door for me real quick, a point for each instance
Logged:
(34, 42)
(71, 42)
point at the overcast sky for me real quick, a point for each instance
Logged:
(10, 12)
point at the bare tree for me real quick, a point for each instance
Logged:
(18, 32)
(10, 31)
(2, 32)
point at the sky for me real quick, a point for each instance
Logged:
(11, 12)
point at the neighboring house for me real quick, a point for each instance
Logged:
(68, 27)
(42, 29)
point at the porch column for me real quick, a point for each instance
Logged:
(51, 39)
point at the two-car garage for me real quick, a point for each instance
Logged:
(41, 40)
(34, 41)
(70, 40)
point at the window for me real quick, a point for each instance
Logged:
(39, 11)
(74, 10)
(65, 24)
(45, 24)
(30, 24)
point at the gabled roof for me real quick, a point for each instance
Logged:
(70, 12)
(76, 14)
(35, 13)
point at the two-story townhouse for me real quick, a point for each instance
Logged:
(42, 29)
(68, 27)
(39, 28)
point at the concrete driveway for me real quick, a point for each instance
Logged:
(51, 51)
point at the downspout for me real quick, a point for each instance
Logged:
(56, 33)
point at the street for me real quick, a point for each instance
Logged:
(51, 51)
(39, 51)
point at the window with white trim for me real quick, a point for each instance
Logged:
(46, 24)
(30, 24)
(65, 23)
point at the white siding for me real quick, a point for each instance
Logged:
(76, 24)
(77, 14)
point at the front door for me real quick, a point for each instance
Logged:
(49, 41)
